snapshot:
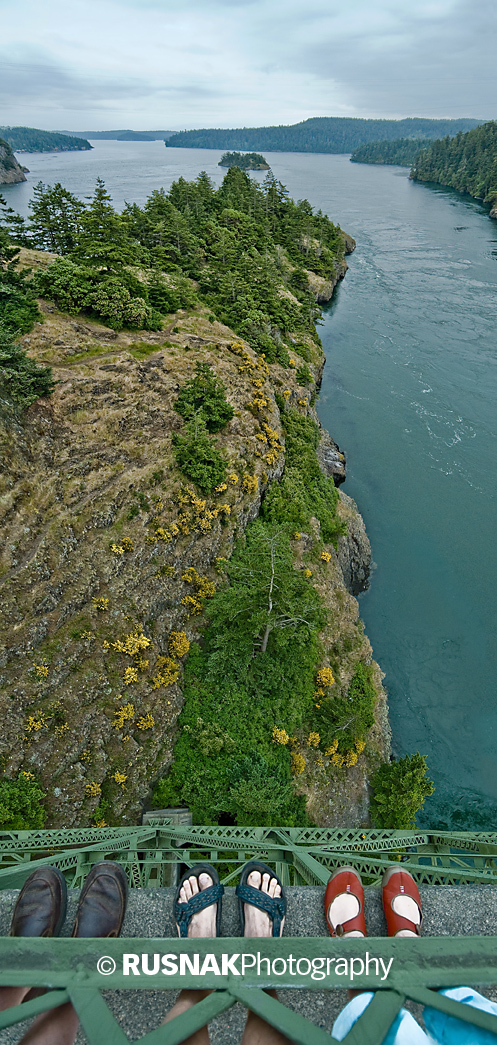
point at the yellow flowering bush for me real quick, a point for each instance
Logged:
(337, 760)
(332, 748)
(123, 714)
(167, 672)
(130, 675)
(101, 604)
(41, 670)
(34, 723)
(325, 677)
(297, 763)
(313, 739)
(117, 549)
(308, 573)
(127, 544)
(351, 758)
(297, 536)
(221, 488)
(120, 778)
(233, 478)
(132, 644)
(292, 363)
(100, 823)
(146, 721)
(302, 402)
(93, 789)
(250, 483)
(178, 644)
(27, 775)
(325, 556)
(280, 736)
(287, 393)
(359, 746)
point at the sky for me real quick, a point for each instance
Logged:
(181, 64)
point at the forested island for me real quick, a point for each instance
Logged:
(400, 152)
(467, 163)
(331, 134)
(248, 161)
(30, 139)
(121, 136)
(165, 481)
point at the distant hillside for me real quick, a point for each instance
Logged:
(248, 161)
(122, 136)
(401, 152)
(30, 139)
(10, 170)
(467, 163)
(334, 134)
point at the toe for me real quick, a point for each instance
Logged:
(265, 883)
(205, 881)
(194, 884)
(187, 889)
(254, 879)
(274, 888)
(182, 895)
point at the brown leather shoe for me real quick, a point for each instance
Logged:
(41, 905)
(102, 903)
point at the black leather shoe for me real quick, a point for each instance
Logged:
(41, 905)
(102, 903)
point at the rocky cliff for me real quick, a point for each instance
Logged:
(10, 170)
(98, 529)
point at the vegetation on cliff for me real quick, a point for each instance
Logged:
(401, 152)
(31, 139)
(125, 491)
(247, 161)
(335, 134)
(10, 170)
(467, 163)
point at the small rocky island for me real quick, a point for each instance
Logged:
(246, 161)
(11, 171)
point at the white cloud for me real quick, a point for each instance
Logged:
(155, 63)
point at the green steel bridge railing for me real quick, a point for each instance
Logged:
(240, 969)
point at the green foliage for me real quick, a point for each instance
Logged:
(304, 490)
(467, 162)
(204, 395)
(348, 717)
(22, 381)
(333, 134)
(303, 375)
(75, 288)
(20, 804)
(198, 456)
(261, 794)
(248, 161)
(30, 139)
(402, 152)
(399, 791)
(56, 222)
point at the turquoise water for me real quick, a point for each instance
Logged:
(409, 392)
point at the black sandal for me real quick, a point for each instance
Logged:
(274, 906)
(184, 912)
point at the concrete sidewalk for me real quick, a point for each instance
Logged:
(448, 911)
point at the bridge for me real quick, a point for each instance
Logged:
(126, 1002)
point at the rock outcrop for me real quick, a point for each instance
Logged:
(11, 171)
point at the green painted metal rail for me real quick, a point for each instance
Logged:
(237, 969)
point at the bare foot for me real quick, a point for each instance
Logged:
(203, 923)
(258, 923)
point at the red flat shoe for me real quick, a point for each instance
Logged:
(345, 880)
(400, 883)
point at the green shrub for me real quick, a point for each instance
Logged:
(22, 381)
(198, 457)
(204, 395)
(303, 375)
(261, 794)
(20, 804)
(303, 490)
(349, 717)
(399, 791)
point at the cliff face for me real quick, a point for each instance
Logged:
(97, 530)
(10, 170)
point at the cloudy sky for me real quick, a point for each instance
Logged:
(174, 64)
